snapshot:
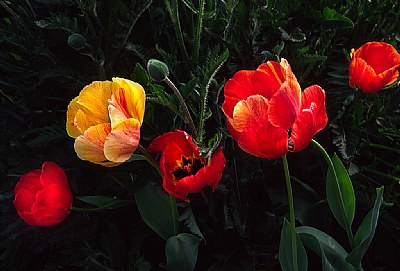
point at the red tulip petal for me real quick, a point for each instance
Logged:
(210, 174)
(238, 88)
(285, 104)
(52, 174)
(26, 189)
(122, 141)
(380, 56)
(179, 141)
(169, 187)
(250, 113)
(53, 205)
(265, 141)
(315, 94)
(304, 128)
(24, 200)
(269, 78)
(216, 167)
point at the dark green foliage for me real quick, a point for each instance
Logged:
(51, 49)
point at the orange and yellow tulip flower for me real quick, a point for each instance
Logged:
(105, 120)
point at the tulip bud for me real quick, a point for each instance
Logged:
(157, 70)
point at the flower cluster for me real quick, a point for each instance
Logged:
(267, 114)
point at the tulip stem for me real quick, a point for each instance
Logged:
(108, 206)
(291, 211)
(149, 158)
(187, 116)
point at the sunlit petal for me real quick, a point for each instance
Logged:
(90, 145)
(122, 141)
(250, 113)
(93, 100)
(128, 100)
(72, 129)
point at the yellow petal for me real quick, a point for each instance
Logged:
(72, 129)
(94, 100)
(250, 113)
(128, 101)
(90, 145)
(122, 141)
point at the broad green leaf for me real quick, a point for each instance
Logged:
(340, 194)
(181, 252)
(286, 255)
(104, 202)
(139, 75)
(335, 20)
(332, 254)
(158, 210)
(366, 231)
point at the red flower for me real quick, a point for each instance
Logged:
(43, 197)
(184, 170)
(268, 115)
(373, 66)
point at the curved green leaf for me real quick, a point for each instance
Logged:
(158, 210)
(300, 263)
(181, 252)
(333, 255)
(340, 194)
(366, 231)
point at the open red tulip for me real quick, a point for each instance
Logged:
(184, 170)
(268, 115)
(373, 66)
(43, 197)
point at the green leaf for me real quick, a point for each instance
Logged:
(140, 75)
(158, 210)
(340, 194)
(333, 255)
(366, 231)
(190, 221)
(181, 252)
(332, 19)
(286, 250)
(104, 202)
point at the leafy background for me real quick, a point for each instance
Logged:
(51, 49)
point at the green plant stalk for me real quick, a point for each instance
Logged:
(383, 147)
(98, 209)
(149, 158)
(291, 211)
(174, 13)
(188, 117)
(198, 31)
(172, 204)
(384, 175)
(330, 165)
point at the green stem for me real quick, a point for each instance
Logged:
(291, 211)
(188, 117)
(332, 168)
(174, 13)
(198, 31)
(383, 147)
(98, 209)
(172, 203)
(149, 158)
(384, 175)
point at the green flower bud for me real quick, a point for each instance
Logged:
(157, 70)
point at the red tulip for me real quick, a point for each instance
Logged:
(43, 197)
(268, 115)
(373, 66)
(184, 170)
